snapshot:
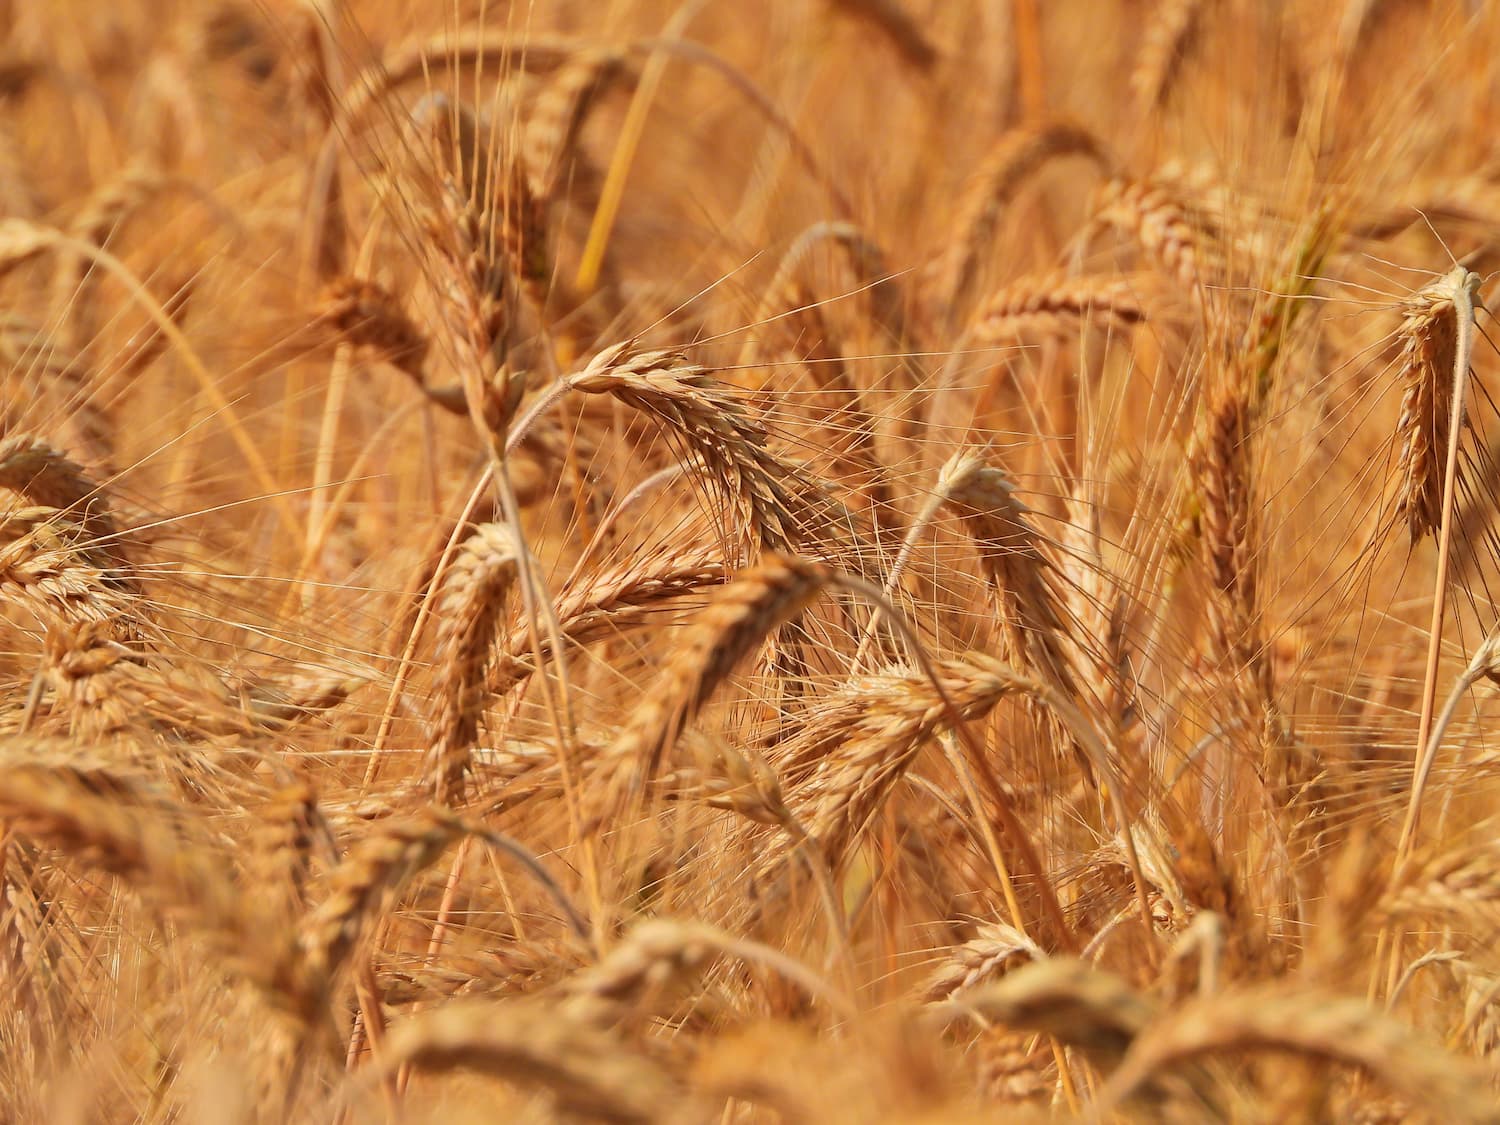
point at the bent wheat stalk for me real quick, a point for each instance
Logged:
(1440, 342)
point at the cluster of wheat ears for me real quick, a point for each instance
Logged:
(816, 560)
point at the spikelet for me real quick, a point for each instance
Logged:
(363, 885)
(373, 873)
(1463, 886)
(40, 378)
(1022, 578)
(654, 958)
(104, 688)
(561, 110)
(106, 820)
(50, 567)
(1075, 1003)
(97, 221)
(603, 604)
(289, 828)
(46, 476)
(991, 953)
(480, 215)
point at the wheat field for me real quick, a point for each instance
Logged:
(794, 561)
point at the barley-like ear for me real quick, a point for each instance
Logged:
(1439, 335)
(421, 56)
(48, 478)
(100, 217)
(1165, 228)
(104, 819)
(22, 240)
(561, 109)
(1022, 577)
(373, 873)
(105, 687)
(49, 566)
(1229, 541)
(655, 956)
(1461, 886)
(289, 826)
(602, 604)
(484, 210)
(660, 955)
(326, 237)
(40, 378)
(471, 608)
(586, 1069)
(1221, 467)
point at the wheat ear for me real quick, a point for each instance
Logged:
(1310, 1023)
(587, 1069)
(740, 617)
(473, 602)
